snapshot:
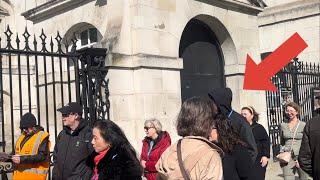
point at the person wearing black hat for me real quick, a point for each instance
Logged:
(223, 98)
(31, 158)
(73, 145)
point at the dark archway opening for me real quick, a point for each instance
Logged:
(203, 64)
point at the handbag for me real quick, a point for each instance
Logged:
(285, 157)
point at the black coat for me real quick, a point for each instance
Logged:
(222, 98)
(244, 130)
(309, 155)
(117, 164)
(70, 153)
(263, 144)
(262, 140)
(237, 165)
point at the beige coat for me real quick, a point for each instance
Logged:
(201, 160)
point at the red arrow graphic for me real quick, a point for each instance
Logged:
(257, 77)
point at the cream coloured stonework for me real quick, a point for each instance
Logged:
(276, 24)
(142, 38)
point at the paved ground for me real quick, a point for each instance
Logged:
(274, 172)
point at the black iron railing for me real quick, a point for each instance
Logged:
(298, 82)
(43, 75)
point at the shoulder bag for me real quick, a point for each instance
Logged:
(285, 157)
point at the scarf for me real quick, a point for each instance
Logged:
(96, 160)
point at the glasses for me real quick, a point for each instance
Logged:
(147, 128)
(65, 115)
(290, 111)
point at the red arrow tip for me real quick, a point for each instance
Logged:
(257, 77)
(254, 80)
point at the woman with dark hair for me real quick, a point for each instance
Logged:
(153, 145)
(114, 157)
(193, 156)
(237, 163)
(262, 140)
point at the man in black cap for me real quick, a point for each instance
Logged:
(222, 97)
(73, 145)
(31, 158)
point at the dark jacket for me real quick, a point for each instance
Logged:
(160, 145)
(43, 151)
(262, 140)
(263, 144)
(117, 164)
(70, 153)
(309, 155)
(222, 98)
(237, 165)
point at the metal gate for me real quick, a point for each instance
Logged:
(298, 82)
(39, 75)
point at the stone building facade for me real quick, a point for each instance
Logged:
(151, 47)
(278, 23)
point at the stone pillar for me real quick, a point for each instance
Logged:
(143, 87)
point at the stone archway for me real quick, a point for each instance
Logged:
(203, 60)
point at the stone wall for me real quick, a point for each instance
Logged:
(143, 39)
(271, 3)
(276, 24)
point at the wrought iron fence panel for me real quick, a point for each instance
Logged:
(39, 74)
(295, 82)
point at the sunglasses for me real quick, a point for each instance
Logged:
(65, 115)
(147, 128)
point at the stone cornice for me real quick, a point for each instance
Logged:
(51, 8)
(3, 12)
(136, 61)
(4, 8)
(235, 6)
(289, 11)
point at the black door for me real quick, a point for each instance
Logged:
(202, 61)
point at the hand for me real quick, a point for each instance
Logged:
(4, 156)
(264, 161)
(297, 164)
(16, 159)
(143, 163)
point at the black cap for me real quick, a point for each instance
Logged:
(72, 107)
(28, 120)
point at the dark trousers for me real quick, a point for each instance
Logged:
(258, 171)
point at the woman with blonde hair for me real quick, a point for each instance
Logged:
(153, 145)
(262, 140)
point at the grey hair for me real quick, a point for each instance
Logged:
(155, 122)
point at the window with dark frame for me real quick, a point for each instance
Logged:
(89, 36)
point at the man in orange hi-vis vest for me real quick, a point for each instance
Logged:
(32, 152)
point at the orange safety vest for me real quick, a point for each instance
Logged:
(34, 171)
